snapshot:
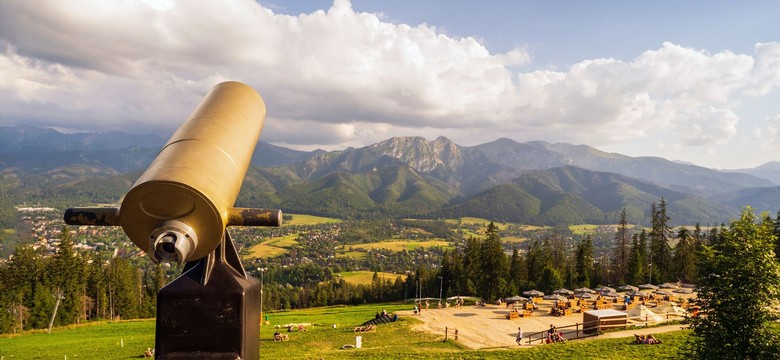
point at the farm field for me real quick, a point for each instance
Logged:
(365, 277)
(301, 219)
(400, 245)
(400, 339)
(272, 247)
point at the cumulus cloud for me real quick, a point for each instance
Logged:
(770, 137)
(343, 78)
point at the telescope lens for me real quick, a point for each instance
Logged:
(171, 241)
(168, 247)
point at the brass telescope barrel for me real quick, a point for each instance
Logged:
(180, 206)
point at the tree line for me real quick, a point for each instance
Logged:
(656, 255)
(81, 286)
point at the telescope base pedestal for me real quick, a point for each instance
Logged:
(211, 311)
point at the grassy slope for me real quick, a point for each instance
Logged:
(390, 341)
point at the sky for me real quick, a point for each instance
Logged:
(693, 81)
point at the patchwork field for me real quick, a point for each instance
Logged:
(365, 277)
(272, 247)
(400, 245)
(300, 219)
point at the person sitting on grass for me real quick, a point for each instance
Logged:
(651, 340)
(560, 337)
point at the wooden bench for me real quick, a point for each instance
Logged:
(527, 313)
(513, 315)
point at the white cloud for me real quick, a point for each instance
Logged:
(337, 78)
(770, 137)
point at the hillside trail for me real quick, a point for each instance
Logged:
(487, 327)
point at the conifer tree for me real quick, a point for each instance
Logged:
(518, 272)
(584, 262)
(621, 251)
(494, 267)
(741, 276)
(684, 257)
(550, 280)
(66, 271)
(636, 262)
(535, 263)
(660, 251)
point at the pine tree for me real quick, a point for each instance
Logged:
(636, 261)
(741, 278)
(535, 263)
(67, 276)
(660, 251)
(584, 262)
(621, 252)
(471, 265)
(550, 280)
(518, 272)
(494, 267)
(684, 257)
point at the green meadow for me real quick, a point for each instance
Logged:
(400, 245)
(300, 219)
(398, 340)
(365, 277)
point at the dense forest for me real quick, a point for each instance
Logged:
(88, 286)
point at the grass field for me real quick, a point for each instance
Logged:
(365, 277)
(272, 247)
(128, 339)
(400, 245)
(300, 219)
(353, 254)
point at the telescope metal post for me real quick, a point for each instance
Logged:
(210, 311)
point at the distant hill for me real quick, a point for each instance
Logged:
(760, 199)
(769, 171)
(681, 177)
(571, 195)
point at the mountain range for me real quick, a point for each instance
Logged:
(532, 182)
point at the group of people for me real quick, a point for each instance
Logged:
(553, 335)
(646, 339)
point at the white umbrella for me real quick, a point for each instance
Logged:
(563, 292)
(635, 293)
(584, 295)
(662, 292)
(604, 289)
(515, 299)
(668, 286)
(554, 297)
(584, 290)
(628, 288)
(534, 293)
(610, 294)
(684, 291)
(648, 287)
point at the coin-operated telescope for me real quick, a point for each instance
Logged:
(179, 210)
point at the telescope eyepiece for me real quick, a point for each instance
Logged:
(172, 241)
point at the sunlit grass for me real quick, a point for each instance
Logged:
(366, 277)
(300, 219)
(400, 245)
(272, 247)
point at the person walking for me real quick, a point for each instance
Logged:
(519, 339)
